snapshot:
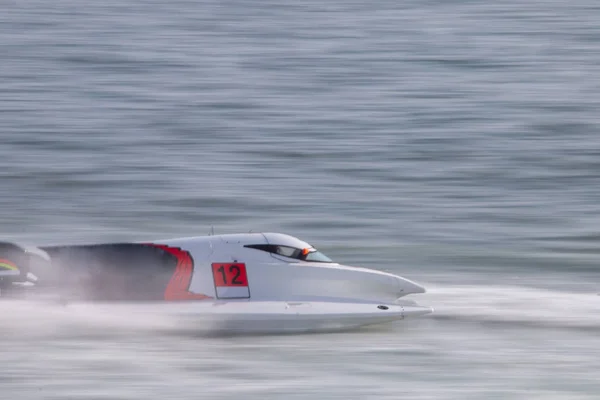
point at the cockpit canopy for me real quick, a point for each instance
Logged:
(305, 254)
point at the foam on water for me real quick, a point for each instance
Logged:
(142, 353)
(516, 305)
(511, 305)
(34, 320)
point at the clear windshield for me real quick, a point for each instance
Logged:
(317, 256)
(310, 254)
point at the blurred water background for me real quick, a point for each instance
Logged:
(453, 142)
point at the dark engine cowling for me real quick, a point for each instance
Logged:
(101, 272)
(109, 272)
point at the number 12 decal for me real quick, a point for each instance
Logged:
(231, 280)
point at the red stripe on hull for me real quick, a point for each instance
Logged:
(178, 287)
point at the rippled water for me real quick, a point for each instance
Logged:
(454, 143)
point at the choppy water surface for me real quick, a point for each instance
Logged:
(455, 143)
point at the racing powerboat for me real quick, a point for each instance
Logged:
(251, 282)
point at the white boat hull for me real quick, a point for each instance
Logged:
(260, 317)
(255, 282)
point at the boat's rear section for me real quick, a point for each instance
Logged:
(114, 272)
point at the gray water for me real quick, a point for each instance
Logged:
(454, 143)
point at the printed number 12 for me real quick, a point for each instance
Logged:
(233, 269)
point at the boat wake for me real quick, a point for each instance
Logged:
(508, 306)
(515, 306)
